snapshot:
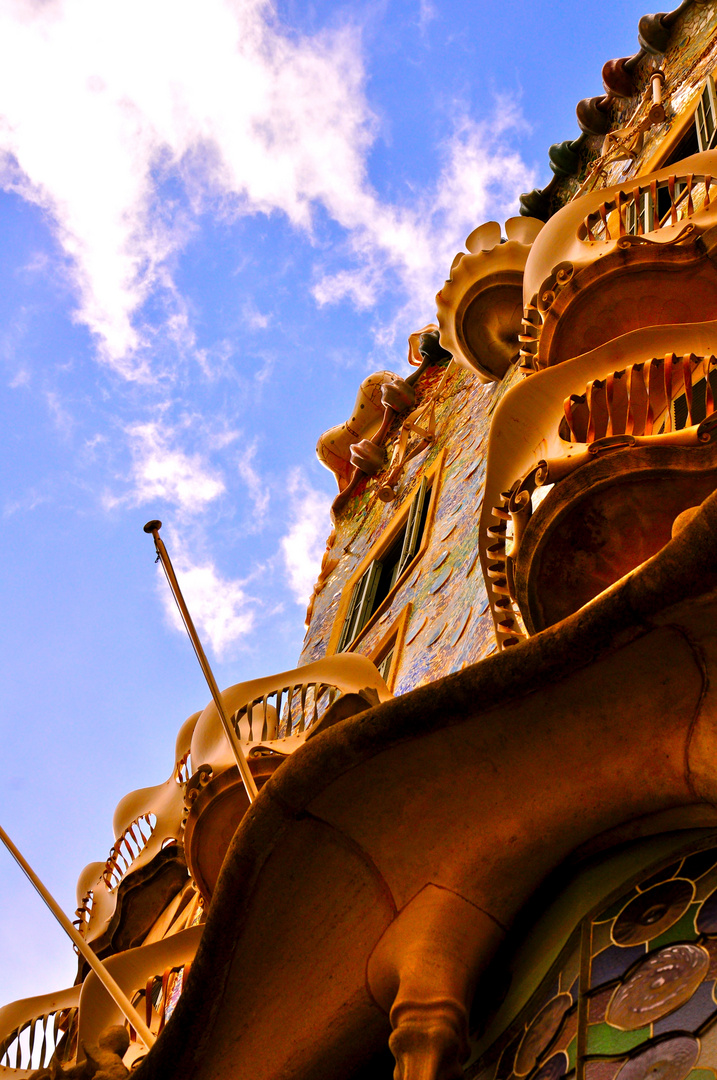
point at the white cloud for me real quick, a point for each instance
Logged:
(303, 545)
(21, 378)
(103, 102)
(480, 175)
(162, 471)
(256, 486)
(220, 608)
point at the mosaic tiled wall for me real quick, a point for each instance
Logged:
(633, 995)
(449, 624)
(691, 57)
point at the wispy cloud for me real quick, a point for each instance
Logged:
(257, 487)
(162, 471)
(480, 175)
(303, 545)
(220, 607)
(245, 115)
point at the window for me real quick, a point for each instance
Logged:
(706, 116)
(641, 214)
(384, 665)
(386, 654)
(699, 403)
(387, 567)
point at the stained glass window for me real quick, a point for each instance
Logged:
(634, 997)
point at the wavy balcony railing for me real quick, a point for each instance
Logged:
(128, 848)
(651, 390)
(621, 259)
(648, 208)
(272, 717)
(278, 712)
(146, 976)
(34, 1029)
(144, 822)
(661, 395)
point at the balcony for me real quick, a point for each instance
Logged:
(147, 824)
(34, 1029)
(590, 463)
(480, 306)
(272, 717)
(622, 258)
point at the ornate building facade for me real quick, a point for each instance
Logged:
(485, 841)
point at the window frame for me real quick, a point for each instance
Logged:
(661, 158)
(392, 641)
(707, 100)
(339, 640)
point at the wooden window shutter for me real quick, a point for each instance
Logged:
(412, 536)
(361, 604)
(706, 116)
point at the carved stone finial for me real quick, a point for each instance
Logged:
(593, 116)
(652, 33)
(617, 78)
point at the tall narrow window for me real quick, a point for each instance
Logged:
(706, 116)
(381, 575)
(640, 214)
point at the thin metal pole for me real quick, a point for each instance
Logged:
(113, 989)
(153, 527)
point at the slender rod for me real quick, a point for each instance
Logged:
(113, 989)
(250, 787)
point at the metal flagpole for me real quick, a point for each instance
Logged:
(111, 986)
(153, 527)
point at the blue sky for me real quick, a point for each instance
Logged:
(217, 218)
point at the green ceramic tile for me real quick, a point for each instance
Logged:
(606, 1039)
(683, 930)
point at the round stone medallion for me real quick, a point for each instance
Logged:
(652, 912)
(661, 983)
(671, 1059)
(540, 1033)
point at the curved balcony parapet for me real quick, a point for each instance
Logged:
(33, 1029)
(622, 258)
(139, 972)
(480, 306)
(144, 822)
(182, 750)
(273, 717)
(530, 449)
(277, 713)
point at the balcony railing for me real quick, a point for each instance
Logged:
(128, 848)
(144, 822)
(661, 395)
(550, 425)
(647, 208)
(280, 712)
(152, 976)
(35, 1029)
(620, 259)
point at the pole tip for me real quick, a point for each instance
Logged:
(152, 526)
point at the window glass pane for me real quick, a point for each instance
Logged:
(384, 666)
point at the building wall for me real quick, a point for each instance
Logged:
(448, 624)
